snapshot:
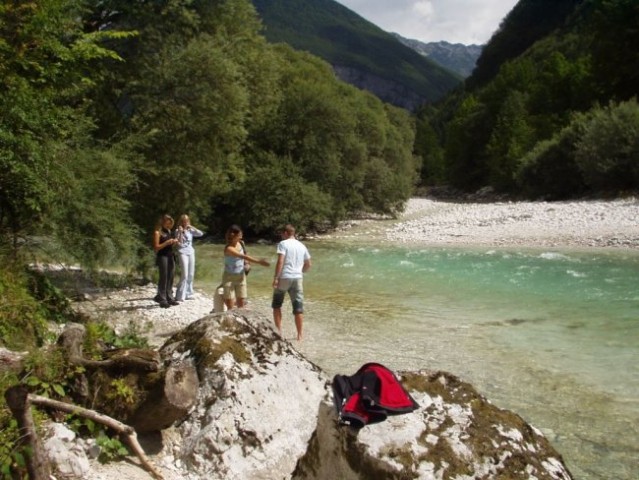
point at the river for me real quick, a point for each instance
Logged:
(552, 335)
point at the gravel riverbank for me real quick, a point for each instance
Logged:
(596, 223)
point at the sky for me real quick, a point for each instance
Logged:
(455, 21)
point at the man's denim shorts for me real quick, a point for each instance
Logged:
(295, 289)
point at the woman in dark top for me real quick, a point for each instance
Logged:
(163, 242)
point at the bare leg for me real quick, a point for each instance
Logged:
(241, 302)
(229, 303)
(299, 320)
(277, 317)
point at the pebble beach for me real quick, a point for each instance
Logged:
(586, 223)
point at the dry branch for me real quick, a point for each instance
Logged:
(18, 400)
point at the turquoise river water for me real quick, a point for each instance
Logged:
(551, 335)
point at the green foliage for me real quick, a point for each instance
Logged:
(275, 194)
(11, 457)
(428, 147)
(99, 334)
(110, 448)
(612, 26)
(509, 141)
(114, 112)
(597, 152)
(23, 318)
(607, 150)
(48, 66)
(50, 297)
(48, 373)
(466, 133)
(335, 137)
(549, 170)
(121, 392)
(528, 22)
(507, 130)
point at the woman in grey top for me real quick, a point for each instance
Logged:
(234, 276)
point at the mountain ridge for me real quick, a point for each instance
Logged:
(360, 52)
(458, 58)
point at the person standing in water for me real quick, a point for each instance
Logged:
(185, 233)
(293, 260)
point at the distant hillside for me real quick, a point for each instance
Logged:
(550, 111)
(527, 23)
(458, 58)
(361, 53)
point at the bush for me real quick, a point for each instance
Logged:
(22, 317)
(607, 151)
(275, 194)
(598, 152)
(549, 170)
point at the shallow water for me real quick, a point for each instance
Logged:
(551, 335)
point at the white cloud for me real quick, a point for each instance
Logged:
(424, 8)
(456, 21)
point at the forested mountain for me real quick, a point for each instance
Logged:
(528, 22)
(361, 53)
(550, 111)
(458, 58)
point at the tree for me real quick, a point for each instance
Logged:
(466, 135)
(49, 66)
(274, 194)
(511, 138)
(607, 150)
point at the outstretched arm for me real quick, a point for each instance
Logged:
(229, 250)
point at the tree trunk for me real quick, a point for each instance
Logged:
(170, 401)
(37, 462)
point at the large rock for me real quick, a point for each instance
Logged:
(265, 412)
(258, 402)
(455, 434)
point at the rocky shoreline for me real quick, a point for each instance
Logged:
(570, 224)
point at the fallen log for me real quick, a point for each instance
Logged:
(133, 359)
(170, 400)
(168, 396)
